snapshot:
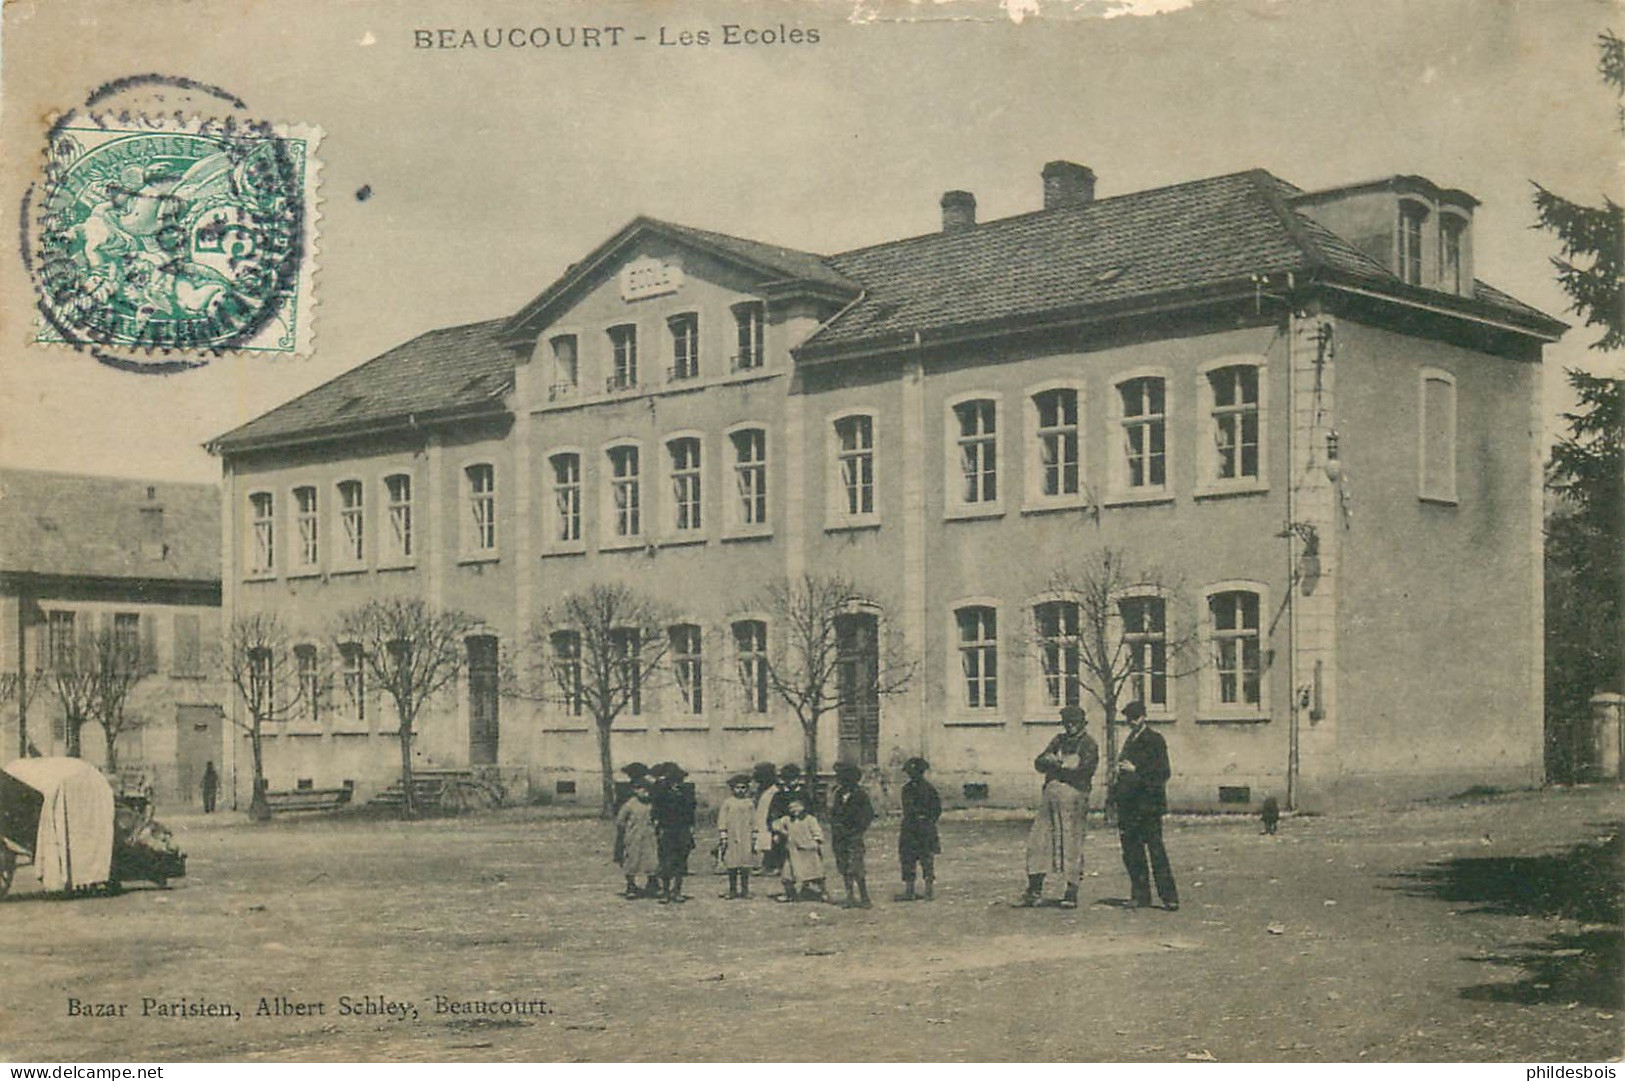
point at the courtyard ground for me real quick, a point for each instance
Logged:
(1477, 929)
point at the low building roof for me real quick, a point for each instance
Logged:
(74, 525)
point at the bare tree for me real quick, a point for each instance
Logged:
(816, 660)
(21, 688)
(1113, 630)
(413, 651)
(94, 686)
(261, 663)
(599, 652)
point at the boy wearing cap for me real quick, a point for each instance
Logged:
(1141, 794)
(736, 823)
(1055, 843)
(672, 802)
(850, 814)
(917, 840)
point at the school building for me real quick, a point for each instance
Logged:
(1310, 432)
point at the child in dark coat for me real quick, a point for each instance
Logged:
(917, 842)
(850, 814)
(673, 806)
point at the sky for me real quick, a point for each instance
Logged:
(491, 171)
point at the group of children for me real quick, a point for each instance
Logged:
(769, 825)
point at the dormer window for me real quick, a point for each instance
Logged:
(1412, 216)
(1452, 254)
(566, 367)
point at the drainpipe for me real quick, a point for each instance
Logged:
(1291, 559)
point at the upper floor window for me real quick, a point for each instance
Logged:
(979, 655)
(567, 670)
(1059, 648)
(1452, 257)
(1145, 432)
(855, 465)
(977, 441)
(685, 345)
(352, 521)
(625, 497)
(309, 681)
(566, 365)
(1055, 432)
(186, 657)
(1437, 453)
(566, 497)
(750, 654)
(623, 341)
(749, 320)
(262, 531)
(399, 488)
(1238, 656)
(1412, 217)
(127, 642)
(307, 521)
(1233, 401)
(480, 486)
(686, 494)
(61, 645)
(689, 668)
(750, 475)
(353, 674)
(1145, 639)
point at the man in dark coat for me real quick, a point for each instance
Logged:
(1141, 793)
(1055, 843)
(211, 786)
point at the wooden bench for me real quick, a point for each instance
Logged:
(309, 799)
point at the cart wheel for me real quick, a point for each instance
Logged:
(8, 869)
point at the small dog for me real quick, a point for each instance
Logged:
(1270, 812)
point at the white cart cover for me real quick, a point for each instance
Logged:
(75, 842)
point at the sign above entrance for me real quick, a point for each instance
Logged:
(649, 277)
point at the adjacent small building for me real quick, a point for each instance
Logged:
(87, 562)
(1313, 431)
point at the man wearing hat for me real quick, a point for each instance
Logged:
(1055, 843)
(1142, 800)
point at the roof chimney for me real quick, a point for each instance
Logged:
(958, 211)
(1066, 183)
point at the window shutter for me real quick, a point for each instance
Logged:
(149, 644)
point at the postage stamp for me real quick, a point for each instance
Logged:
(160, 242)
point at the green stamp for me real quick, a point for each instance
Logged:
(175, 243)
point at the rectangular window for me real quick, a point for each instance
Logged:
(1059, 656)
(566, 497)
(1237, 653)
(481, 484)
(187, 653)
(1411, 217)
(1438, 437)
(308, 526)
(126, 641)
(689, 668)
(750, 475)
(262, 701)
(1057, 441)
(626, 647)
(623, 487)
(352, 522)
(750, 653)
(1145, 432)
(855, 439)
(262, 528)
(685, 484)
(309, 681)
(978, 451)
(685, 345)
(1235, 420)
(567, 670)
(749, 320)
(979, 656)
(354, 675)
(566, 366)
(61, 647)
(1452, 271)
(1145, 636)
(399, 486)
(623, 341)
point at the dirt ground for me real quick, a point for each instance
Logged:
(1476, 929)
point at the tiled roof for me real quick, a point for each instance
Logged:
(1178, 239)
(83, 526)
(794, 265)
(453, 369)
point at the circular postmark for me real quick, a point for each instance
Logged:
(159, 240)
